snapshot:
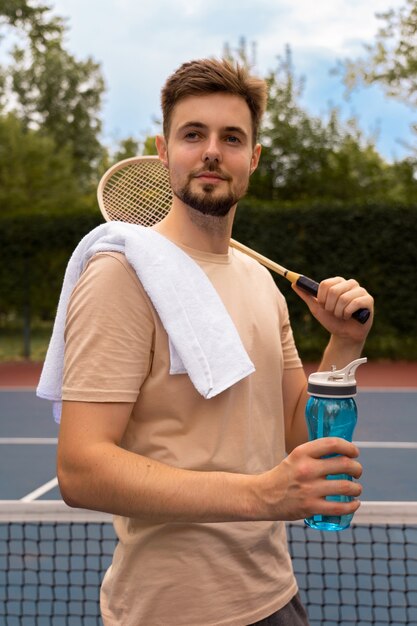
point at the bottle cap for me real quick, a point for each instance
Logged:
(335, 384)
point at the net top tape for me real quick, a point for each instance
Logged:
(370, 512)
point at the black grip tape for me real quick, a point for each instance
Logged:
(311, 287)
(308, 285)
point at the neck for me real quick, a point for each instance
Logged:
(191, 228)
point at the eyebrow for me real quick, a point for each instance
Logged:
(227, 129)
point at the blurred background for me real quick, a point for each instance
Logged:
(336, 192)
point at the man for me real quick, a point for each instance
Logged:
(200, 487)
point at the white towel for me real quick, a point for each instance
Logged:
(203, 340)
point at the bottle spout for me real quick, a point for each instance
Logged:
(347, 374)
(336, 383)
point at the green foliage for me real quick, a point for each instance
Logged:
(53, 91)
(62, 97)
(127, 148)
(149, 147)
(244, 54)
(392, 59)
(11, 348)
(306, 157)
(34, 173)
(373, 243)
(34, 250)
(36, 20)
(322, 202)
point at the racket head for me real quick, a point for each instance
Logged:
(136, 190)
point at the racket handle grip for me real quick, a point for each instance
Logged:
(311, 287)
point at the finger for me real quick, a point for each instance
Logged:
(340, 488)
(362, 301)
(328, 507)
(325, 286)
(339, 294)
(329, 445)
(350, 299)
(340, 465)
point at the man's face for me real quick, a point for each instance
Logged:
(209, 152)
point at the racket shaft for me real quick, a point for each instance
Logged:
(124, 196)
(305, 283)
(275, 267)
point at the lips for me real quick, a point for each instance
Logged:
(213, 176)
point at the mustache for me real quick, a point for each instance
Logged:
(213, 168)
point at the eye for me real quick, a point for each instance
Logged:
(232, 139)
(192, 135)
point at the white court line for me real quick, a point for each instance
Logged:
(398, 445)
(29, 440)
(37, 493)
(410, 445)
(18, 388)
(387, 389)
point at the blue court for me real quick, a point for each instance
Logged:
(365, 575)
(386, 434)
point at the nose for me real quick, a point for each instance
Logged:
(212, 152)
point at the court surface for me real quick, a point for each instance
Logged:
(386, 434)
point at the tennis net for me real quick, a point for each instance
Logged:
(53, 558)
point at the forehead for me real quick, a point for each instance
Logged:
(218, 110)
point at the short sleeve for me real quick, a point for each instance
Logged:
(109, 333)
(289, 349)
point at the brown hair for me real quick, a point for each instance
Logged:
(207, 76)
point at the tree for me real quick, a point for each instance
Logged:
(35, 173)
(391, 61)
(127, 148)
(53, 91)
(306, 158)
(149, 146)
(31, 21)
(35, 21)
(243, 54)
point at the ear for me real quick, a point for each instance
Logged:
(256, 154)
(162, 149)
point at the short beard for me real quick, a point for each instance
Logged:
(206, 204)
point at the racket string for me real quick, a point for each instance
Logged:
(138, 193)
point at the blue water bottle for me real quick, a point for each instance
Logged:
(331, 412)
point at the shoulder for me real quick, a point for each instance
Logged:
(257, 273)
(109, 264)
(108, 279)
(111, 271)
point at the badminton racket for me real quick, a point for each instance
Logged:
(138, 190)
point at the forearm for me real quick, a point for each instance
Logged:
(123, 483)
(340, 352)
(336, 300)
(96, 472)
(120, 482)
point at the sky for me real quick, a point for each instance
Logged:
(140, 42)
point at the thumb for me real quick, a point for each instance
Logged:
(309, 299)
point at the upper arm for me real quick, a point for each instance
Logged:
(84, 427)
(108, 351)
(294, 386)
(93, 422)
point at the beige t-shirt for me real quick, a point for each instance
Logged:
(178, 574)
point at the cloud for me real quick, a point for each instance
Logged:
(140, 43)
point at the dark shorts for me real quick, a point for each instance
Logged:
(292, 614)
